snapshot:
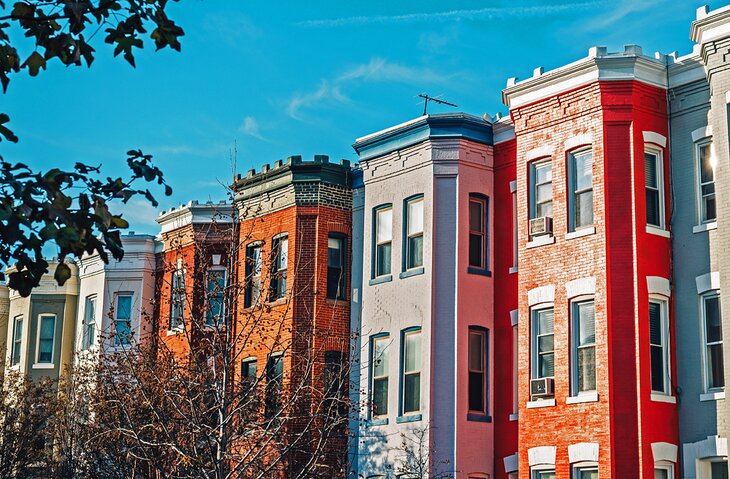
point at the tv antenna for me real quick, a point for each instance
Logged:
(427, 98)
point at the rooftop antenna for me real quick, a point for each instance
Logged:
(427, 98)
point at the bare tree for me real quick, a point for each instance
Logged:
(417, 459)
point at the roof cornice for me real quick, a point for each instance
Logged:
(710, 25)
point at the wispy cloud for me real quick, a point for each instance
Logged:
(488, 13)
(140, 214)
(251, 128)
(232, 29)
(618, 12)
(330, 92)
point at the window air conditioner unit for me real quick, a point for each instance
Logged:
(543, 387)
(541, 226)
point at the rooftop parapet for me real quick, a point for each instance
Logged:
(292, 170)
(710, 25)
(437, 126)
(195, 212)
(599, 64)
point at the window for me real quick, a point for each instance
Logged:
(253, 275)
(414, 233)
(541, 189)
(274, 384)
(515, 228)
(279, 261)
(544, 474)
(216, 295)
(515, 369)
(17, 340)
(713, 341)
(123, 320)
(379, 367)
(336, 257)
(706, 176)
(659, 339)
(585, 472)
(248, 372)
(177, 309)
(335, 383)
(718, 470)
(383, 239)
(654, 195)
(478, 224)
(580, 182)
(583, 355)
(89, 324)
(478, 370)
(664, 472)
(543, 365)
(411, 379)
(46, 338)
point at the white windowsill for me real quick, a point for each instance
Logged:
(540, 403)
(174, 332)
(712, 396)
(541, 241)
(580, 233)
(513, 269)
(705, 227)
(514, 417)
(583, 397)
(43, 366)
(659, 397)
(653, 230)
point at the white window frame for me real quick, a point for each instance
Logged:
(209, 320)
(705, 345)
(665, 466)
(87, 333)
(698, 175)
(408, 236)
(373, 349)
(515, 237)
(174, 286)
(572, 192)
(705, 466)
(17, 342)
(574, 347)
(252, 294)
(279, 266)
(659, 158)
(534, 353)
(515, 369)
(536, 471)
(532, 190)
(405, 374)
(376, 255)
(579, 467)
(663, 301)
(115, 319)
(38, 362)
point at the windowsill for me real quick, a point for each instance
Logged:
(659, 397)
(476, 417)
(411, 272)
(655, 230)
(478, 271)
(591, 230)
(513, 269)
(712, 396)
(336, 301)
(408, 418)
(378, 422)
(583, 397)
(175, 331)
(214, 327)
(276, 302)
(514, 417)
(381, 279)
(43, 366)
(540, 241)
(712, 225)
(540, 403)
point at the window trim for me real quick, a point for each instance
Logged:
(658, 153)
(250, 360)
(406, 237)
(17, 342)
(707, 141)
(342, 284)
(209, 319)
(665, 466)
(534, 363)
(663, 301)
(402, 373)
(248, 300)
(374, 242)
(714, 293)
(269, 412)
(38, 361)
(577, 468)
(532, 185)
(180, 271)
(115, 319)
(571, 157)
(87, 341)
(371, 371)
(536, 471)
(483, 415)
(274, 268)
(484, 268)
(574, 377)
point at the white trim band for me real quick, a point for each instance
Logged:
(664, 451)
(656, 138)
(658, 285)
(707, 282)
(583, 452)
(541, 455)
(700, 133)
(542, 294)
(580, 287)
(539, 152)
(585, 139)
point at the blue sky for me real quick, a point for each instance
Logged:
(285, 78)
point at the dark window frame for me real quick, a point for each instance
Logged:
(341, 291)
(476, 414)
(483, 268)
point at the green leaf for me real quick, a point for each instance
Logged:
(5, 131)
(119, 222)
(62, 274)
(34, 63)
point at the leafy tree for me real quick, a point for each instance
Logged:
(70, 208)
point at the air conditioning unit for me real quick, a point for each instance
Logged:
(541, 388)
(541, 226)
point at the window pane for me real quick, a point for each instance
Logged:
(383, 253)
(415, 251)
(657, 368)
(652, 207)
(544, 193)
(475, 250)
(476, 215)
(584, 209)
(124, 307)
(719, 470)
(380, 396)
(545, 321)
(545, 343)
(283, 253)
(650, 170)
(412, 393)
(476, 391)
(547, 366)
(415, 217)
(384, 225)
(661, 474)
(713, 328)
(334, 252)
(545, 209)
(380, 357)
(655, 323)
(710, 208)
(543, 173)
(586, 323)
(45, 342)
(545, 475)
(716, 373)
(248, 370)
(123, 332)
(413, 352)
(583, 171)
(587, 369)
(587, 474)
(707, 174)
(476, 355)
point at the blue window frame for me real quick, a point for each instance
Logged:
(478, 234)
